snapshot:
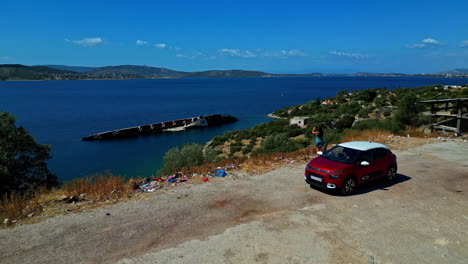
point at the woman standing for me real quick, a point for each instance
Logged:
(318, 131)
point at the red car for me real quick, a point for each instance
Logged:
(347, 165)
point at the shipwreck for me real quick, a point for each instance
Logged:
(175, 125)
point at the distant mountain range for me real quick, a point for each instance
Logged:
(456, 72)
(63, 72)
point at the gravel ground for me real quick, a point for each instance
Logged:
(422, 217)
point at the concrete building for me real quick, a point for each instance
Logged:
(299, 120)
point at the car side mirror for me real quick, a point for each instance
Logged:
(364, 163)
(320, 153)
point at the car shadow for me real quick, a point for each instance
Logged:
(381, 184)
(378, 184)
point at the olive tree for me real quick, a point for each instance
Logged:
(22, 159)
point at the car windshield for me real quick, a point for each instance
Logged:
(342, 154)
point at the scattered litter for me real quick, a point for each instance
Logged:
(205, 179)
(148, 185)
(220, 173)
(107, 213)
(6, 221)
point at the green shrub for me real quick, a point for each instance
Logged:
(188, 155)
(333, 136)
(276, 143)
(464, 93)
(364, 113)
(349, 108)
(408, 110)
(211, 154)
(234, 148)
(388, 124)
(303, 142)
(386, 112)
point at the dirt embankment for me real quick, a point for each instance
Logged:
(275, 217)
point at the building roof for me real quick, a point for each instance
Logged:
(445, 100)
(362, 145)
(299, 118)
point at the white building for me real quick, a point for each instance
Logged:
(299, 120)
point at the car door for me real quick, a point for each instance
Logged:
(366, 173)
(380, 162)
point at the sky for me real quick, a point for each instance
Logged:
(272, 36)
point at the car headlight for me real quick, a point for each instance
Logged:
(334, 174)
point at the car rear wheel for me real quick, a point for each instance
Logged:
(349, 186)
(391, 173)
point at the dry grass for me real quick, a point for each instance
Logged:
(373, 135)
(15, 206)
(265, 163)
(98, 187)
(419, 133)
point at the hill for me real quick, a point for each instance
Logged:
(143, 71)
(456, 72)
(22, 72)
(228, 74)
(70, 68)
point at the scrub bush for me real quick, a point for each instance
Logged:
(276, 143)
(388, 124)
(188, 155)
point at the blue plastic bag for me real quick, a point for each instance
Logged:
(220, 173)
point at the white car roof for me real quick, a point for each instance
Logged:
(362, 145)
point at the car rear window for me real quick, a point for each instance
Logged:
(380, 153)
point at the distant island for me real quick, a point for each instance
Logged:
(16, 72)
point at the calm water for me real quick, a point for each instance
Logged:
(59, 113)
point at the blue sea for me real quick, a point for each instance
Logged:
(59, 113)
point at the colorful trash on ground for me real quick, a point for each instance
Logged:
(220, 173)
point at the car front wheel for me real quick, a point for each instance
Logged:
(349, 186)
(391, 173)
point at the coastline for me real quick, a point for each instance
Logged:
(271, 115)
(227, 77)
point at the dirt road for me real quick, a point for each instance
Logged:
(271, 218)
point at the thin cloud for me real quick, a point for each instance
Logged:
(425, 43)
(353, 55)
(193, 55)
(86, 42)
(258, 53)
(284, 53)
(464, 44)
(416, 46)
(160, 45)
(4, 58)
(142, 43)
(237, 53)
